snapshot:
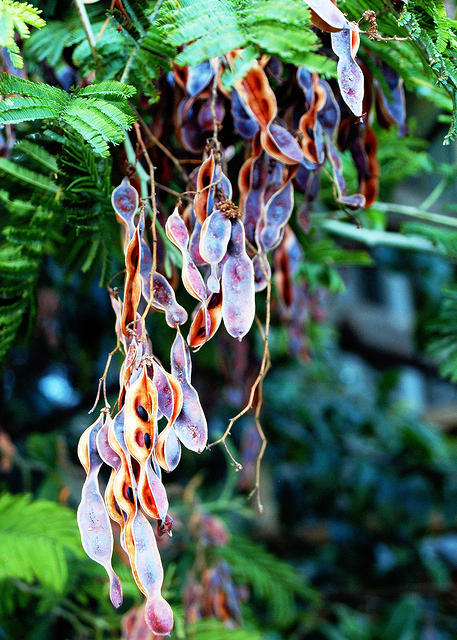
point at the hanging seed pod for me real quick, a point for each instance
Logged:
(93, 519)
(345, 44)
(238, 290)
(197, 333)
(125, 201)
(168, 448)
(132, 288)
(190, 425)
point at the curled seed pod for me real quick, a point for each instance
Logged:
(143, 393)
(192, 279)
(312, 143)
(204, 179)
(277, 213)
(93, 519)
(190, 425)
(260, 101)
(244, 123)
(345, 44)
(164, 299)
(125, 202)
(123, 480)
(238, 290)
(168, 448)
(132, 288)
(197, 333)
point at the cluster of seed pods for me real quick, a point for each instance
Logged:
(129, 442)
(228, 251)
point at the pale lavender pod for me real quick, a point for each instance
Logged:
(350, 76)
(164, 393)
(158, 613)
(164, 299)
(277, 213)
(214, 239)
(125, 202)
(190, 425)
(238, 288)
(262, 271)
(93, 519)
(194, 243)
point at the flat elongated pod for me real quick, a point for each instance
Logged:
(164, 299)
(177, 232)
(345, 44)
(197, 333)
(277, 213)
(111, 458)
(214, 239)
(280, 144)
(310, 127)
(93, 519)
(132, 287)
(215, 236)
(168, 448)
(326, 16)
(125, 202)
(158, 613)
(190, 425)
(204, 179)
(194, 242)
(238, 288)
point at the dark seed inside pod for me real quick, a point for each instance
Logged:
(147, 440)
(117, 508)
(143, 414)
(130, 495)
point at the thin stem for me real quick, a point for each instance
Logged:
(87, 27)
(375, 238)
(414, 212)
(162, 147)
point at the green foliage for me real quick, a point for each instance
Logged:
(271, 579)
(443, 332)
(98, 113)
(35, 537)
(16, 16)
(214, 29)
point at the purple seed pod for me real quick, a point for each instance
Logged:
(93, 519)
(194, 243)
(190, 425)
(350, 76)
(149, 573)
(284, 142)
(125, 202)
(238, 288)
(254, 199)
(244, 123)
(277, 213)
(198, 78)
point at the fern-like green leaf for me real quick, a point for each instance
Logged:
(208, 29)
(17, 16)
(99, 113)
(35, 537)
